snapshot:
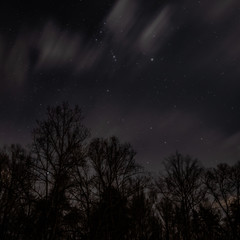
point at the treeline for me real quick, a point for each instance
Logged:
(67, 186)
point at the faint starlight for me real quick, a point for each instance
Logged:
(114, 57)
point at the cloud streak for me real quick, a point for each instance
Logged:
(127, 33)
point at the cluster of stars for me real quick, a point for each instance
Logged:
(114, 57)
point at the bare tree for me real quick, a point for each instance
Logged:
(114, 171)
(113, 164)
(16, 191)
(223, 184)
(182, 186)
(83, 195)
(58, 144)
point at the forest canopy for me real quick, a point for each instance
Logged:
(67, 185)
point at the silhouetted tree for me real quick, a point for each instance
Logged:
(144, 223)
(16, 191)
(223, 184)
(84, 196)
(206, 223)
(113, 164)
(57, 146)
(114, 170)
(68, 188)
(182, 186)
(167, 215)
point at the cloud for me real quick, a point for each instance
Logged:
(54, 49)
(158, 134)
(145, 32)
(229, 148)
(157, 31)
(57, 48)
(132, 33)
(218, 10)
(14, 60)
(122, 19)
(17, 62)
(14, 133)
(61, 49)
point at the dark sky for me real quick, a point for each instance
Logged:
(162, 75)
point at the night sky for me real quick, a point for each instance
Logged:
(162, 75)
